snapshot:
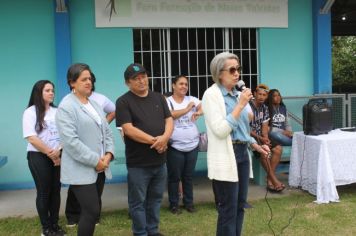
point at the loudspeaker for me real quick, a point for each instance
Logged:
(317, 117)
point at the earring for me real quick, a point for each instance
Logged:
(73, 90)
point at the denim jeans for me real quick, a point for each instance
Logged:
(180, 166)
(145, 192)
(279, 138)
(232, 196)
(48, 186)
(87, 196)
(72, 210)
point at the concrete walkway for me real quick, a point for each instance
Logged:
(21, 203)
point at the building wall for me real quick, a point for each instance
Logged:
(27, 46)
(108, 51)
(28, 54)
(286, 55)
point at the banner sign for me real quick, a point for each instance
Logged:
(193, 13)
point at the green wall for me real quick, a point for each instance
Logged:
(286, 55)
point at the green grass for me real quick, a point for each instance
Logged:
(310, 219)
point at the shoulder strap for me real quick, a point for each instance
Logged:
(170, 102)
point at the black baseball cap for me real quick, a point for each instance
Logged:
(133, 70)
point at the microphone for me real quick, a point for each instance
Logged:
(241, 85)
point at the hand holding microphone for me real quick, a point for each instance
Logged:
(246, 94)
(244, 98)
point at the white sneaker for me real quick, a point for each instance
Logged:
(71, 225)
(47, 232)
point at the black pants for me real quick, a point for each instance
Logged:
(72, 210)
(48, 186)
(87, 196)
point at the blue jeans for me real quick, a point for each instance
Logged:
(145, 193)
(180, 166)
(48, 186)
(232, 196)
(279, 138)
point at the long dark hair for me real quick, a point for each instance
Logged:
(36, 99)
(269, 101)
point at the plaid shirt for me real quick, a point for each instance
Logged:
(261, 115)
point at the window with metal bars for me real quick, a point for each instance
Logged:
(166, 53)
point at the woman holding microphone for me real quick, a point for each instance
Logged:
(227, 121)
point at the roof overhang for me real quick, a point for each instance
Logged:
(343, 18)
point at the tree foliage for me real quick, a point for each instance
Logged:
(344, 64)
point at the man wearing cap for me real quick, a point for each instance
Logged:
(259, 131)
(147, 125)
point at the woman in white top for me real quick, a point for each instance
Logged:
(107, 105)
(227, 118)
(183, 148)
(44, 154)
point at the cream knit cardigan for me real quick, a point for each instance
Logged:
(220, 156)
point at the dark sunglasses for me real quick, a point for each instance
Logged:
(232, 70)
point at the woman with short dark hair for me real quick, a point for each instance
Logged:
(88, 145)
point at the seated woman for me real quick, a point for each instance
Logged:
(280, 131)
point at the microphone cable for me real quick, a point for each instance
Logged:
(297, 203)
(299, 184)
(269, 206)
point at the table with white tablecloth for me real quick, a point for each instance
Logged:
(320, 163)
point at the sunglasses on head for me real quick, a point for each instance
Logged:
(262, 88)
(232, 70)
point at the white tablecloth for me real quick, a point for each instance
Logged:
(319, 163)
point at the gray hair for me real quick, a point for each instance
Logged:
(218, 63)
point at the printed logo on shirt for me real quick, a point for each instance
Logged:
(279, 118)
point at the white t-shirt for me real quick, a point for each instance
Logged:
(94, 113)
(107, 105)
(49, 135)
(97, 118)
(185, 135)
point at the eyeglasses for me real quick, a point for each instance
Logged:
(232, 70)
